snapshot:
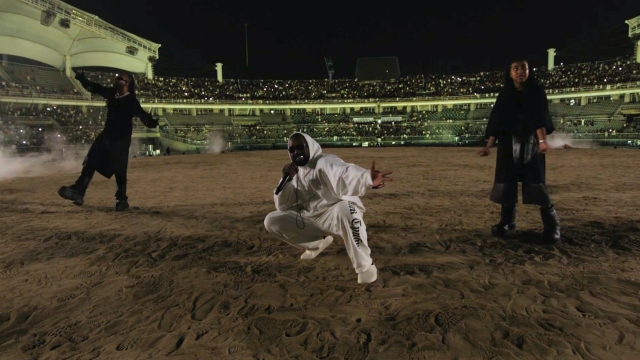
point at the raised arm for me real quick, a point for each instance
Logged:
(92, 87)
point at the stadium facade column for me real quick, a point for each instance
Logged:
(219, 71)
(67, 65)
(634, 34)
(347, 110)
(194, 112)
(159, 111)
(439, 108)
(149, 70)
(551, 56)
(627, 97)
(472, 106)
(287, 112)
(583, 101)
(226, 112)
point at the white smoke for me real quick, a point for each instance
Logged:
(217, 143)
(62, 159)
(559, 140)
(28, 165)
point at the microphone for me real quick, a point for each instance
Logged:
(283, 182)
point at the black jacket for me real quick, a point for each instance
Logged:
(120, 111)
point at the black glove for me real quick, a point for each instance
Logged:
(152, 123)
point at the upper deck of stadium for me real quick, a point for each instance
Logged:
(64, 37)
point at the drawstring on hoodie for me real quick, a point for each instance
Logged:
(299, 211)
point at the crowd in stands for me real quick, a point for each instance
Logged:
(589, 75)
(24, 127)
(75, 125)
(23, 80)
(31, 81)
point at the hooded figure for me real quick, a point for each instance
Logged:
(109, 153)
(520, 121)
(322, 200)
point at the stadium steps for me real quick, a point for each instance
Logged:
(603, 108)
(618, 110)
(5, 76)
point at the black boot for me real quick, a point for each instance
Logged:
(551, 223)
(73, 193)
(507, 224)
(76, 192)
(122, 202)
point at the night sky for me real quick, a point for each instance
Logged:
(289, 40)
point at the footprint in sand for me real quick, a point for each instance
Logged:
(91, 356)
(448, 319)
(202, 306)
(127, 344)
(357, 351)
(297, 328)
(268, 329)
(169, 319)
(32, 345)
(10, 272)
(411, 269)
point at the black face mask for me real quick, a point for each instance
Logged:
(300, 147)
(120, 78)
(300, 159)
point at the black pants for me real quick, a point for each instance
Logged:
(507, 194)
(108, 155)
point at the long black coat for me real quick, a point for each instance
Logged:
(519, 114)
(109, 152)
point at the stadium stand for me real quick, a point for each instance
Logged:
(77, 125)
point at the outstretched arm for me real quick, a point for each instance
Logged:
(92, 87)
(352, 180)
(146, 118)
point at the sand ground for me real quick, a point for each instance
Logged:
(190, 272)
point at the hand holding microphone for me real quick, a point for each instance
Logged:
(288, 172)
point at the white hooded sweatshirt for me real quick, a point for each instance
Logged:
(323, 182)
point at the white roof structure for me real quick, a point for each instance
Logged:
(83, 38)
(634, 26)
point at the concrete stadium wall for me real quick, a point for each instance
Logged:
(177, 146)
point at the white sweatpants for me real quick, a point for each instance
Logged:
(343, 219)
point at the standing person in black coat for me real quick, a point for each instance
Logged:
(109, 153)
(520, 121)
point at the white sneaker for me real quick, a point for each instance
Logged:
(311, 254)
(368, 276)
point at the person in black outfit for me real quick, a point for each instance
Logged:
(520, 121)
(109, 153)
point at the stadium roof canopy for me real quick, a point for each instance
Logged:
(53, 32)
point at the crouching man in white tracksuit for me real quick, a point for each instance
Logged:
(322, 199)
